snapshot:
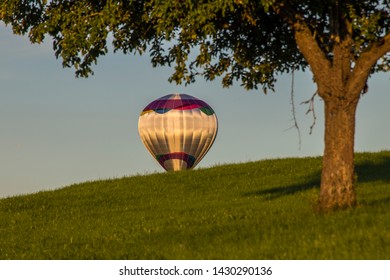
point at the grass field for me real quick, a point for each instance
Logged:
(256, 210)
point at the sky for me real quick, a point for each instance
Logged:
(57, 130)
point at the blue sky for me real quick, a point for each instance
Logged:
(56, 130)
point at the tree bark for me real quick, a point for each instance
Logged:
(337, 180)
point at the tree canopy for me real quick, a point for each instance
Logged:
(249, 41)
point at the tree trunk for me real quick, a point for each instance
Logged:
(337, 180)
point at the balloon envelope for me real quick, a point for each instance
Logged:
(178, 130)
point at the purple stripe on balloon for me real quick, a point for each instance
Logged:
(190, 160)
(169, 102)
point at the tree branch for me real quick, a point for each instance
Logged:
(313, 54)
(341, 35)
(311, 110)
(306, 42)
(365, 63)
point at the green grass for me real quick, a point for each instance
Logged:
(256, 210)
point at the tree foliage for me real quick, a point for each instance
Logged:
(249, 41)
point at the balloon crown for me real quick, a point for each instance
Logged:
(177, 101)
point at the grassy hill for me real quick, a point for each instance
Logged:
(256, 210)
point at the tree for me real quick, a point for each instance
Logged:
(341, 42)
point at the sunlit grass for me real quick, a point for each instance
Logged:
(256, 210)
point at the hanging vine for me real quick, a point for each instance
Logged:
(309, 102)
(295, 125)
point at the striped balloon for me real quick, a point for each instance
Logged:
(178, 130)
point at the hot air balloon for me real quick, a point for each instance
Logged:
(178, 130)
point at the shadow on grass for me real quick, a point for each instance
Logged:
(368, 170)
(276, 192)
(377, 202)
(377, 169)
